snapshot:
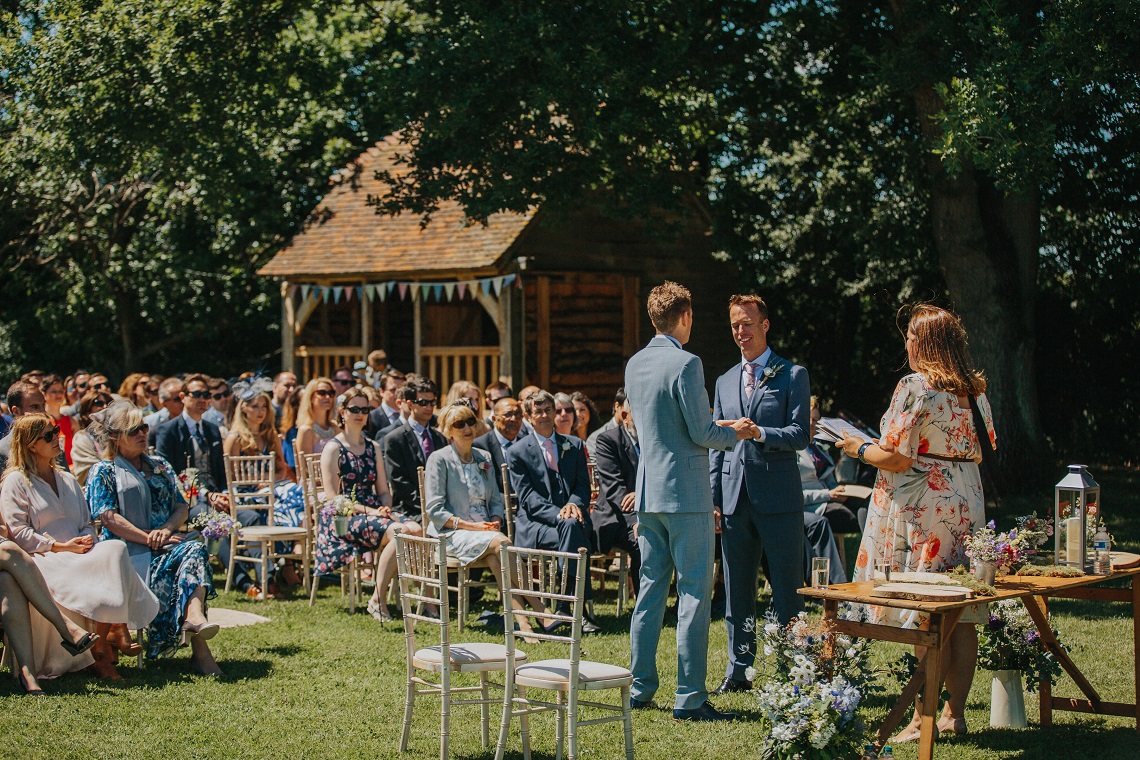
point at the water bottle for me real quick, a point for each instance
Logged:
(887, 753)
(869, 753)
(1102, 546)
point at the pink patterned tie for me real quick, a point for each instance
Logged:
(750, 380)
(548, 450)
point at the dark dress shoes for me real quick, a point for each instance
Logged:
(706, 713)
(729, 686)
(637, 704)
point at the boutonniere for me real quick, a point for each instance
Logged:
(565, 445)
(769, 372)
(485, 466)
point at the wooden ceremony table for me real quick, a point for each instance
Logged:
(1034, 592)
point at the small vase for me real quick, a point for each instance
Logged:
(340, 525)
(1007, 700)
(213, 546)
(985, 572)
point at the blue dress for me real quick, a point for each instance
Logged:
(173, 576)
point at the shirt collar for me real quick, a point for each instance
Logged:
(416, 427)
(503, 442)
(760, 361)
(553, 438)
(672, 340)
(190, 423)
(389, 411)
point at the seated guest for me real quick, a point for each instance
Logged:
(287, 428)
(47, 516)
(385, 418)
(552, 487)
(468, 392)
(408, 447)
(138, 501)
(587, 415)
(284, 383)
(616, 455)
(84, 451)
(151, 391)
(492, 393)
(463, 499)
(376, 365)
(170, 405)
(22, 590)
(343, 379)
(23, 398)
(506, 421)
(219, 402)
(613, 422)
(54, 397)
(822, 494)
(351, 464)
(565, 415)
(316, 423)
(133, 389)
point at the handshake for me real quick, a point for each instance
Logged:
(744, 427)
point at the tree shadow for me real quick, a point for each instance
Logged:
(284, 650)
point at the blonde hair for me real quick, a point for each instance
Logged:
(248, 436)
(25, 430)
(453, 413)
(941, 351)
(668, 302)
(460, 387)
(117, 420)
(305, 413)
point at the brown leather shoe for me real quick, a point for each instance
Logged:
(119, 637)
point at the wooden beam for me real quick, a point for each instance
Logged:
(490, 305)
(1050, 641)
(506, 326)
(418, 331)
(308, 306)
(365, 324)
(288, 328)
(1096, 594)
(543, 337)
(1123, 709)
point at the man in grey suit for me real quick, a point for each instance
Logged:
(758, 484)
(666, 389)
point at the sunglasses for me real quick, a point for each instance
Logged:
(424, 402)
(98, 404)
(324, 393)
(462, 424)
(358, 409)
(97, 386)
(141, 428)
(198, 394)
(563, 410)
(50, 434)
(220, 396)
(341, 381)
(81, 386)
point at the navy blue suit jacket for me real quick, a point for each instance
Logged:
(172, 443)
(542, 493)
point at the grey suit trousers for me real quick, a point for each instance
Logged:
(683, 542)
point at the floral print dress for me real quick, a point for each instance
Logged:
(365, 532)
(919, 518)
(174, 575)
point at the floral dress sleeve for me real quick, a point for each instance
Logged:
(902, 425)
(102, 492)
(988, 418)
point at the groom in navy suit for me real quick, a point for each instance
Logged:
(757, 484)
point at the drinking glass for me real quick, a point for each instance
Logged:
(883, 568)
(820, 571)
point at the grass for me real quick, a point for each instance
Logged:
(318, 682)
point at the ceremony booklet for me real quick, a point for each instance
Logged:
(855, 491)
(833, 429)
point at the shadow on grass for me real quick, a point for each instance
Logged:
(1110, 741)
(285, 650)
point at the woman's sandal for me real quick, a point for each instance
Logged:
(955, 726)
(910, 734)
(204, 631)
(79, 647)
(24, 686)
(379, 613)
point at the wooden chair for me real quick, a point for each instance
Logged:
(463, 582)
(601, 565)
(509, 505)
(535, 573)
(350, 573)
(422, 565)
(257, 473)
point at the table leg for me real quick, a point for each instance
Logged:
(1033, 607)
(929, 717)
(1136, 645)
(1045, 689)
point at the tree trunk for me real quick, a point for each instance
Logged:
(126, 304)
(987, 244)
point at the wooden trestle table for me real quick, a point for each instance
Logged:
(1034, 592)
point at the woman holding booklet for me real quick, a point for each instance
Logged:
(928, 495)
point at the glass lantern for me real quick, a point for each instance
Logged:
(1076, 513)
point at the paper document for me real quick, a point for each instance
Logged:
(834, 429)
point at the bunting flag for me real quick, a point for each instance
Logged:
(420, 291)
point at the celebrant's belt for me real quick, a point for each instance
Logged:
(941, 458)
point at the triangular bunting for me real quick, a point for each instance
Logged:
(347, 293)
(449, 289)
(369, 292)
(324, 293)
(509, 279)
(485, 285)
(381, 291)
(425, 288)
(336, 294)
(437, 291)
(390, 286)
(497, 285)
(461, 287)
(360, 292)
(292, 291)
(305, 291)
(403, 287)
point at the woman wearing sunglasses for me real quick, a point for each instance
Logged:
(316, 424)
(138, 499)
(47, 517)
(351, 464)
(84, 452)
(55, 396)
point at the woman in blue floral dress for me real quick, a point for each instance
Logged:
(137, 499)
(351, 464)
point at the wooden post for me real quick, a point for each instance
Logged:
(543, 338)
(417, 329)
(1136, 647)
(288, 329)
(1045, 689)
(365, 323)
(506, 326)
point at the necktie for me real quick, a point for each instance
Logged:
(749, 379)
(393, 418)
(548, 451)
(428, 447)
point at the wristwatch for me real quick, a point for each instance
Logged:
(861, 450)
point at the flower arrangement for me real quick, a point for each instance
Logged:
(188, 484)
(811, 702)
(1010, 549)
(1010, 641)
(214, 525)
(339, 506)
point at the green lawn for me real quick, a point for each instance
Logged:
(322, 683)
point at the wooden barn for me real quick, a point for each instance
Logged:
(555, 302)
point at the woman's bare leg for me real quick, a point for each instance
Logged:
(204, 661)
(196, 607)
(21, 568)
(963, 656)
(18, 626)
(386, 563)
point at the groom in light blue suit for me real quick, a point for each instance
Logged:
(758, 484)
(666, 390)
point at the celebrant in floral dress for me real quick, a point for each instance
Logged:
(928, 495)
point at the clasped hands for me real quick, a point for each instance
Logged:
(77, 545)
(744, 427)
(570, 512)
(494, 524)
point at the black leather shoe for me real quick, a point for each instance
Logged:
(706, 713)
(589, 625)
(637, 704)
(729, 686)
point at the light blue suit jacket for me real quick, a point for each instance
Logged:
(781, 406)
(666, 389)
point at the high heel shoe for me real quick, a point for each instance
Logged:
(119, 637)
(24, 686)
(204, 631)
(79, 647)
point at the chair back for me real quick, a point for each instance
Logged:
(250, 481)
(537, 573)
(421, 562)
(299, 462)
(595, 489)
(314, 486)
(420, 478)
(509, 506)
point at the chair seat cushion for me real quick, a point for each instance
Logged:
(471, 656)
(555, 674)
(259, 532)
